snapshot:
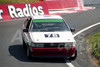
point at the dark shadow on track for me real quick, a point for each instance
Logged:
(20, 54)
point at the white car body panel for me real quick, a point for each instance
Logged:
(64, 37)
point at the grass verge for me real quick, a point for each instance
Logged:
(19, 1)
(94, 41)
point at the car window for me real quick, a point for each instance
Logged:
(51, 25)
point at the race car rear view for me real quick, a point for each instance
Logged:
(48, 36)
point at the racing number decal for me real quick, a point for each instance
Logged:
(51, 35)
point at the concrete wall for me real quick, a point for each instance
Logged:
(62, 4)
(91, 2)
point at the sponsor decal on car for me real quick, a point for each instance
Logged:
(51, 35)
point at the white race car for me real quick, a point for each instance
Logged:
(48, 36)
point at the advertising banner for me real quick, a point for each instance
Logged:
(17, 11)
(62, 4)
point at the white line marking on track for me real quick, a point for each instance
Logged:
(70, 64)
(86, 28)
(94, 8)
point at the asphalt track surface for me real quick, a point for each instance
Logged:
(12, 53)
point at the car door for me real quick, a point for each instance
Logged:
(26, 30)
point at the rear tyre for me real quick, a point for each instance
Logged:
(28, 53)
(24, 44)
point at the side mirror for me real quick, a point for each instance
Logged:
(72, 29)
(25, 30)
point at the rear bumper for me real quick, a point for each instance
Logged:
(53, 52)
